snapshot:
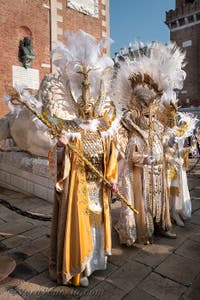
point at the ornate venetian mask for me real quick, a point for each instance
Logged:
(86, 109)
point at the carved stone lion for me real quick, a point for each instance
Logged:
(26, 135)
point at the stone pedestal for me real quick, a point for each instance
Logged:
(22, 172)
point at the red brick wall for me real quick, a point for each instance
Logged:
(192, 82)
(74, 20)
(17, 18)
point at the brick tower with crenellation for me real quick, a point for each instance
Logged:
(184, 25)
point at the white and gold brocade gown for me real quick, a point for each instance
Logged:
(180, 202)
(81, 225)
(142, 185)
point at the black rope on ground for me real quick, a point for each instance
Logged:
(25, 213)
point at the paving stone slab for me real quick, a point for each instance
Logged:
(194, 192)
(45, 252)
(187, 230)
(162, 288)
(23, 271)
(103, 291)
(15, 241)
(197, 213)
(102, 274)
(193, 181)
(2, 237)
(10, 229)
(35, 222)
(180, 269)
(195, 236)
(128, 275)
(36, 232)
(195, 219)
(174, 243)
(27, 203)
(120, 255)
(38, 261)
(32, 247)
(152, 255)
(190, 249)
(41, 243)
(193, 293)
(9, 216)
(2, 222)
(195, 203)
(43, 280)
(183, 233)
(138, 294)
(3, 247)
(26, 248)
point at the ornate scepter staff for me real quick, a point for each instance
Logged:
(56, 129)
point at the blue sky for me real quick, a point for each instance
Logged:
(141, 20)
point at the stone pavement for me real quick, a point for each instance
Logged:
(167, 269)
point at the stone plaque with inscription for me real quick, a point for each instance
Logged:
(25, 77)
(88, 7)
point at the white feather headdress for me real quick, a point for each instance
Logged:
(161, 63)
(83, 51)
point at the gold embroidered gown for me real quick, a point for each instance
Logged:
(81, 226)
(143, 185)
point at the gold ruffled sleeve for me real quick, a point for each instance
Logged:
(112, 166)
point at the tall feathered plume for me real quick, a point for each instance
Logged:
(162, 63)
(83, 51)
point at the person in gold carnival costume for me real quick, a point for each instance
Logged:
(81, 225)
(140, 85)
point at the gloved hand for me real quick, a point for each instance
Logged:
(180, 161)
(62, 141)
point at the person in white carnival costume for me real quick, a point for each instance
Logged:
(177, 156)
(139, 86)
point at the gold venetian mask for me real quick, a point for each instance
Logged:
(86, 109)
